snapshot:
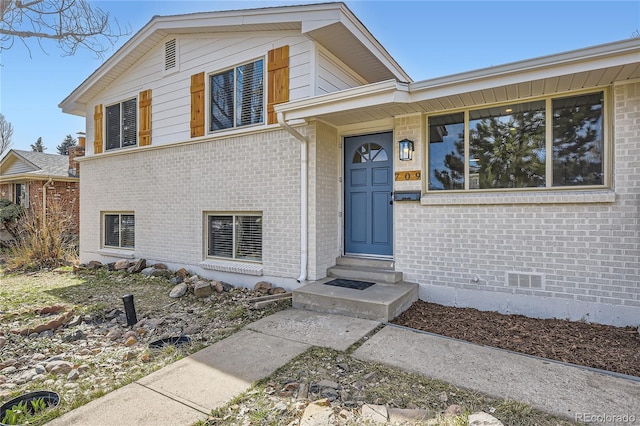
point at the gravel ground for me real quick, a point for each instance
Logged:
(94, 352)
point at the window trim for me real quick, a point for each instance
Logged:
(103, 243)
(233, 214)
(607, 158)
(105, 124)
(24, 194)
(264, 95)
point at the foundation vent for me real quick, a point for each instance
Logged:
(524, 280)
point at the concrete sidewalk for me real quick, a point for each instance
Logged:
(186, 391)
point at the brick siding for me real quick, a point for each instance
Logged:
(588, 253)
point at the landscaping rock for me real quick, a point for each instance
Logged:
(2, 341)
(159, 266)
(483, 419)
(277, 290)
(73, 375)
(138, 266)
(178, 291)
(121, 265)
(217, 286)
(182, 274)
(202, 289)
(408, 416)
(263, 287)
(58, 367)
(94, 264)
(453, 410)
(317, 413)
(147, 271)
(375, 413)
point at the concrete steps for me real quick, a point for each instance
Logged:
(375, 270)
(388, 298)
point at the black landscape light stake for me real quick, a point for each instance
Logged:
(129, 309)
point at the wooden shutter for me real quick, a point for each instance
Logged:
(197, 105)
(277, 80)
(97, 129)
(144, 104)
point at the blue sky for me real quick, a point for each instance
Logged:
(427, 38)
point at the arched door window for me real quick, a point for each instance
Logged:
(369, 152)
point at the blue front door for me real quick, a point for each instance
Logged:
(368, 168)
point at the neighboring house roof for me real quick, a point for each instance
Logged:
(588, 68)
(19, 164)
(332, 25)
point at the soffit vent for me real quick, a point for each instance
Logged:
(524, 280)
(170, 55)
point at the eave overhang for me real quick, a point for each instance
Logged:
(593, 67)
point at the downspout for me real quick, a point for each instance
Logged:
(44, 199)
(304, 197)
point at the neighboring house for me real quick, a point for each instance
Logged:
(35, 180)
(266, 144)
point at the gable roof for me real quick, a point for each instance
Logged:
(332, 25)
(29, 164)
(582, 69)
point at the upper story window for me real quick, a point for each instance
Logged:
(121, 124)
(555, 142)
(237, 96)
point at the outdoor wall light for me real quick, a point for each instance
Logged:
(406, 150)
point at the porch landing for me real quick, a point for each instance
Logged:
(383, 301)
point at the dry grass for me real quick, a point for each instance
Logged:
(44, 241)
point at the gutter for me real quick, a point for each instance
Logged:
(44, 198)
(304, 196)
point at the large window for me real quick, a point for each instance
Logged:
(512, 146)
(237, 96)
(119, 230)
(122, 126)
(235, 236)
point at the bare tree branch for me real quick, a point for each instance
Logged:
(6, 133)
(73, 24)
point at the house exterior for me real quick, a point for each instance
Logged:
(264, 144)
(35, 180)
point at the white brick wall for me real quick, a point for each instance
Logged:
(588, 250)
(171, 188)
(324, 195)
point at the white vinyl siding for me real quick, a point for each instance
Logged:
(197, 53)
(333, 75)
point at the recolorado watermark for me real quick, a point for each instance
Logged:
(606, 418)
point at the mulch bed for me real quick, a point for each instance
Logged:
(605, 347)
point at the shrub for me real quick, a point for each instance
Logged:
(43, 241)
(9, 214)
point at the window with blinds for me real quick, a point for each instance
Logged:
(119, 230)
(237, 96)
(235, 236)
(122, 124)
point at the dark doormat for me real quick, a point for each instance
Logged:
(352, 284)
